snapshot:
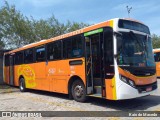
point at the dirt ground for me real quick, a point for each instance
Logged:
(11, 99)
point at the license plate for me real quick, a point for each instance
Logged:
(149, 89)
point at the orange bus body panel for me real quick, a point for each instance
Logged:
(157, 63)
(109, 89)
(158, 69)
(53, 76)
(6, 75)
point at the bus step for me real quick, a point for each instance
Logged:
(96, 95)
(97, 89)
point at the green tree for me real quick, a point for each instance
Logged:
(17, 30)
(13, 27)
(156, 41)
(75, 26)
(2, 45)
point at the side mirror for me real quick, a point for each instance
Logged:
(117, 33)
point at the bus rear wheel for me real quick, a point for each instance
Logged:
(22, 85)
(79, 91)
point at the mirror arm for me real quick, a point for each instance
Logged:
(117, 33)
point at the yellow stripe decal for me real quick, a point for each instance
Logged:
(111, 23)
(114, 89)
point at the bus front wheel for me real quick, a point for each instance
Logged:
(22, 85)
(78, 91)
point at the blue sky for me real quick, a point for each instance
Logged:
(91, 11)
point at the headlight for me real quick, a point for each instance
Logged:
(127, 80)
(124, 79)
(131, 83)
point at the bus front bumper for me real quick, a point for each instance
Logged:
(125, 91)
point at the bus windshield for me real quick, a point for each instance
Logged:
(135, 50)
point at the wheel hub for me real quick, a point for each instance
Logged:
(78, 91)
(21, 86)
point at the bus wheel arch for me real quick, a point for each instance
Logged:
(76, 82)
(22, 85)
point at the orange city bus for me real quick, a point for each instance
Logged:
(157, 60)
(111, 60)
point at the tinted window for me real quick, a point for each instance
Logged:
(67, 48)
(133, 26)
(6, 62)
(77, 47)
(19, 58)
(73, 47)
(157, 57)
(54, 51)
(108, 52)
(28, 56)
(40, 54)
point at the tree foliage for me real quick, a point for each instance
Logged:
(17, 30)
(155, 41)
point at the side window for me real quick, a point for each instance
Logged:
(108, 52)
(40, 54)
(6, 62)
(108, 46)
(19, 58)
(157, 57)
(73, 47)
(67, 48)
(57, 50)
(28, 56)
(50, 50)
(77, 46)
(54, 50)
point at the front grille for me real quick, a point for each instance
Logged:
(143, 88)
(144, 72)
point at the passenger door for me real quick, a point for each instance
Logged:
(94, 62)
(11, 69)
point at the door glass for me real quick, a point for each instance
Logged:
(88, 61)
(93, 60)
(95, 56)
(11, 70)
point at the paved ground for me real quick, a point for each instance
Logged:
(11, 99)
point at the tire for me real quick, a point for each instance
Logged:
(78, 91)
(22, 85)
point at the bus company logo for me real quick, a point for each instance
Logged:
(51, 70)
(6, 114)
